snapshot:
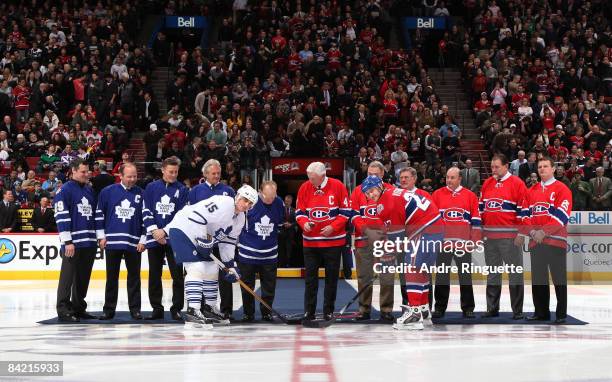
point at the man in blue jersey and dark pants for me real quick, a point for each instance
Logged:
(74, 206)
(211, 186)
(120, 231)
(258, 249)
(163, 199)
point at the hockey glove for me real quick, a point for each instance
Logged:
(204, 248)
(232, 275)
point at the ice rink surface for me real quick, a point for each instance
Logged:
(278, 352)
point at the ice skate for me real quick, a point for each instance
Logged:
(411, 319)
(213, 314)
(194, 319)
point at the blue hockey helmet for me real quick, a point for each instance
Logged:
(370, 182)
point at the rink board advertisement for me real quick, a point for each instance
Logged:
(37, 256)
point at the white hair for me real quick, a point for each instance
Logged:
(316, 168)
(209, 163)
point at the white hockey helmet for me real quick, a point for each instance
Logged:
(248, 193)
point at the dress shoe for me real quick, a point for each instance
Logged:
(386, 317)
(309, 316)
(228, 316)
(176, 315)
(267, 317)
(156, 315)
(136, 315)
(518, 316)
(68, 318)
(560, 320)
(437, 314)
(363, 317)
(247, 318)
(538, 318)
(107, 316)
(328, 316)
(469, 315)
(86, 316)
(490, 314)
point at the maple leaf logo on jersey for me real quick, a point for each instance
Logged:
(319, 214)
(539, 209)
(164, 207)
(84, 208)
(124, 211)
(453, 214)
(494, 205)
(221, 233)
(264, 227)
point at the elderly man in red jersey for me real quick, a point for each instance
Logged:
(322, 213)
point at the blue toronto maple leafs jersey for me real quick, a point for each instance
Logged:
(74, 206)
(258, 242)
(206, 190)
(119, 217)
(161, 202)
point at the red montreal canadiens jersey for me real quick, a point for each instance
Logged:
(406, 213)
(547, 206)
(326, 205)
(459, 210)
(500, 206)
(364, 214)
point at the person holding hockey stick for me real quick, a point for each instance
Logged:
(414, 220)
(193, 232)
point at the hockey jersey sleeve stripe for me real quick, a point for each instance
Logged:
(559, 214)
(62, 220)
(111, 242)
(57, 213)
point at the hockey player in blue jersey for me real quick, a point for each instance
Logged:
(211, 170)
(258, 249)
(163, 198)
(193, 232)
(120, 231)
(74, 206)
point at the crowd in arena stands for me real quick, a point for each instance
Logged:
(540, 78)
(304, 79)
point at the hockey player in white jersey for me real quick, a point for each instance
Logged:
(193, 232)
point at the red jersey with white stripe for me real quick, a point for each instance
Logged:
(459, 210)
(408, 214)
(364, 214)
(547, 206)
(324, 205)
(500, 206)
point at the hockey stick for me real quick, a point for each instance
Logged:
(283, 318)
(327, 323)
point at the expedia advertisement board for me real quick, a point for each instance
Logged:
(37, 256)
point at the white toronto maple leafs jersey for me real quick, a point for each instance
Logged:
(211, 220)
(74, 206)
(258, 243)
(119, 217)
